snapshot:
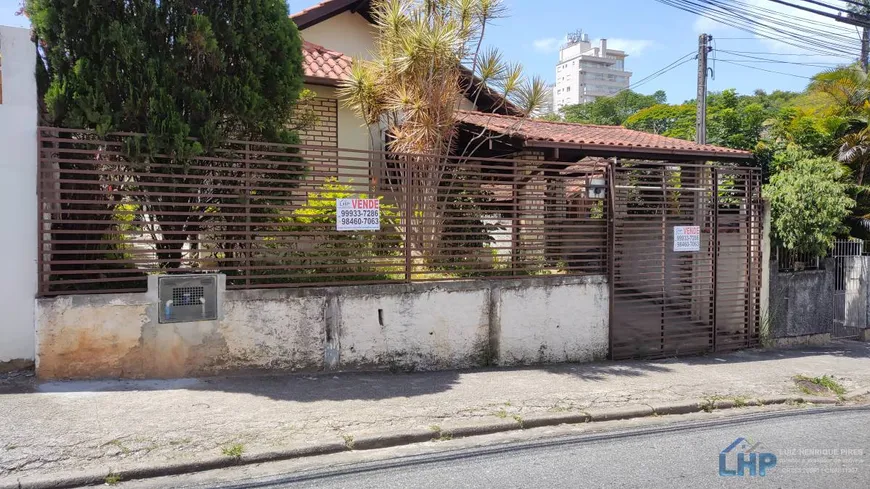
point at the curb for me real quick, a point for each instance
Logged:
(857, 394)
(458, 429)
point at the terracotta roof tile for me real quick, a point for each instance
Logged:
(322, 63)
(591, 135)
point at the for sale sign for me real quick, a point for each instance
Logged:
(358, 214)
(687, 238)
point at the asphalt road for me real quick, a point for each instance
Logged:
(818, 449)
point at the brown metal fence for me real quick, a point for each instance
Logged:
(265, 215)
(703, 294)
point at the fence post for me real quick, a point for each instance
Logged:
(249, 235)
(715, 245)
(40, 238)
(407, 185)
(515, 219)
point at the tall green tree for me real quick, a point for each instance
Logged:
(174, 70)
(734, 121)
(676, 121)
(209, 69)
(612, 111)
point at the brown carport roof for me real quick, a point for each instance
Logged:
(601, 139)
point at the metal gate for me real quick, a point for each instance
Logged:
(850, 303)
(685, 258)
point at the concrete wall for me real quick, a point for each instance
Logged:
(417, 326)
(18, 216)
(801, 303)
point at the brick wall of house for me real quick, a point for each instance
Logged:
(324, 131)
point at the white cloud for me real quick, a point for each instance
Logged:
(632, 47)
(707, 25)
(547, 45)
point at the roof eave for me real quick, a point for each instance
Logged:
(616, 150)
(322, 81)
(327, 10)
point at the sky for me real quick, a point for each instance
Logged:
(654, 35)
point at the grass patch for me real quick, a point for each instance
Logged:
(442, 435)
(445, 436)
(740, 402)
(709, 403)
(112, 479)
(235, 450)
(518, 419)
(501, 413)
(348, 441)
(819, 385)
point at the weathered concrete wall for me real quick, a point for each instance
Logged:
(18, 207)
(417, 326)
(801, 303)
(434, 328)
(552, 312)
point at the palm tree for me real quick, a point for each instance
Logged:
(855, 152)
(848, 87)
(416, 82)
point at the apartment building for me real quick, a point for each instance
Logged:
(586, 72)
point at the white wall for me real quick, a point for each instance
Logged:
(18, 216)
(538, 324)
(347, 33)
(434, 329)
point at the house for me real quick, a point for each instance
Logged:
(334, 33)
(654, 185)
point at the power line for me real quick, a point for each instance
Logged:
(675, 64)
(763, 69)
(857, 3)
(848, 19)
(771, 53)
(758, 59)
(807, 34)
(824, 67)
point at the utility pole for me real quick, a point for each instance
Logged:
(865, 34)
(865, 48)
(701, 102)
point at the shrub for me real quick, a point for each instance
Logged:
(808, 202)
(351, 255)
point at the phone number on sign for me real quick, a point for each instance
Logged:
(344, 213)
(358, 221)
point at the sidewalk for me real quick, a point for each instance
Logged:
(54, 428)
